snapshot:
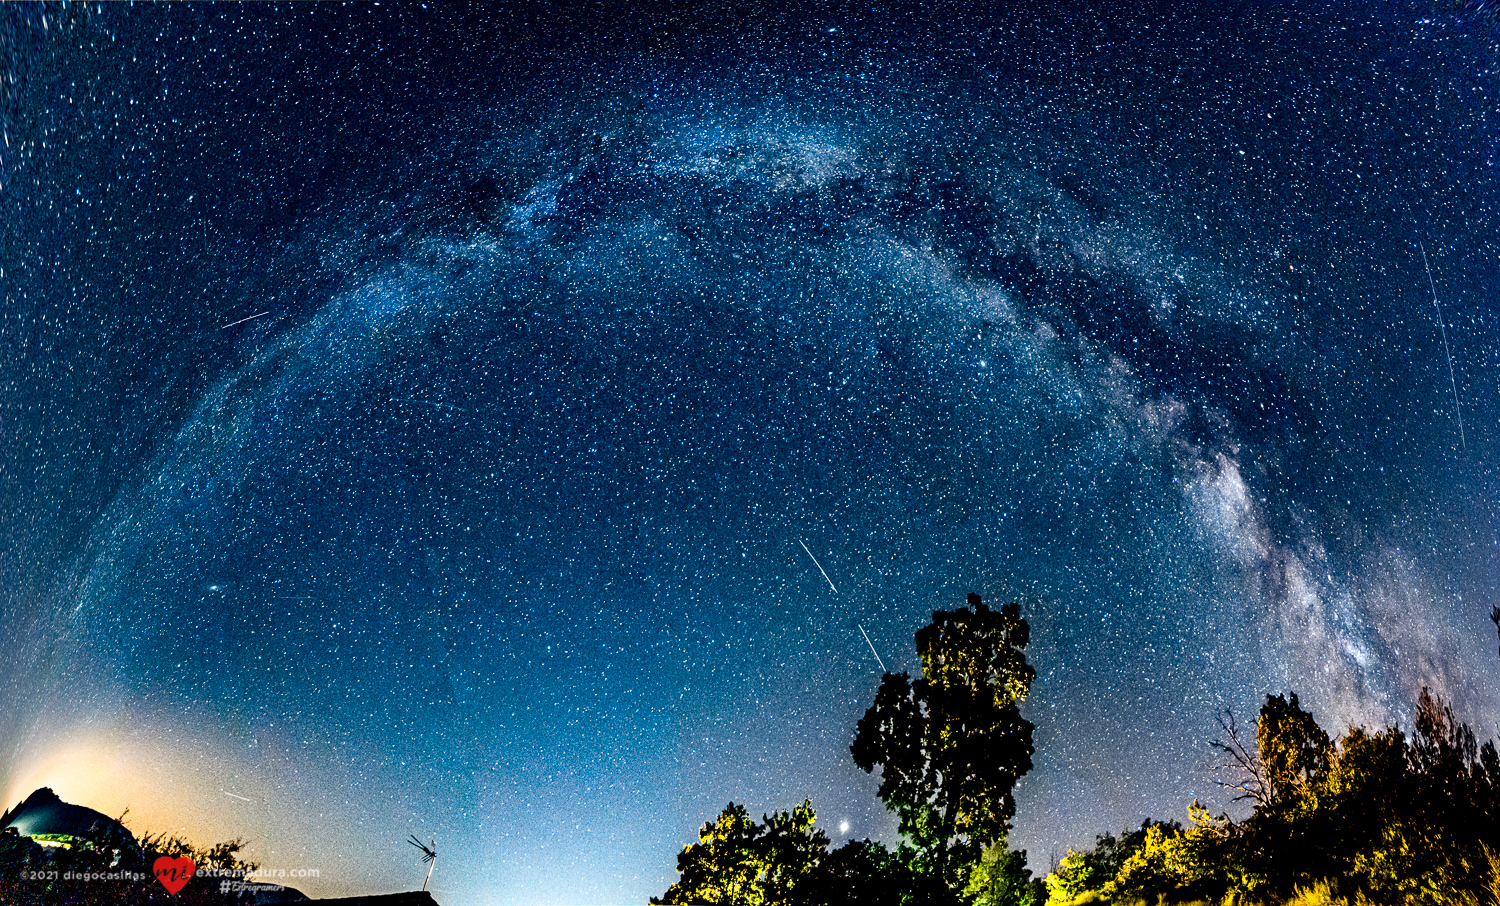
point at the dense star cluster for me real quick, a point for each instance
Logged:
(505, 426)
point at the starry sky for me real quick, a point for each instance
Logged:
(412, 416)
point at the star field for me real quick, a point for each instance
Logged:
(414, 415)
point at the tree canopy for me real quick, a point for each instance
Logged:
(738, 862)
(1375, 817)
(953, 744)
(1293, 748)
(1372, 818)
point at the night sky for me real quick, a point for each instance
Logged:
(412, 416)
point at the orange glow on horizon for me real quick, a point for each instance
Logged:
(195, 788)
(109, 771)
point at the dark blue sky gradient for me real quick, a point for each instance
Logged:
(413, 414)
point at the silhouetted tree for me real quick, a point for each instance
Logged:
(952, 744)
(224, 856)
(1083, 871)
(737, 862)
(1293, 748)
(1375, 818)
(860, 872)
(107, 867)
(1001, 878)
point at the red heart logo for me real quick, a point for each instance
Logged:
(173, 873)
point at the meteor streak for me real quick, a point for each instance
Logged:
(872, 648)
(820, 569)
(243, 320)
(1452, 382)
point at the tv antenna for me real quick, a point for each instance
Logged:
(429, 855)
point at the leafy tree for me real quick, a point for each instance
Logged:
(113, 851)
(739, 862)
(723, 866)
(792, 852)
(1449, 817)
(953, 744)
(1376, 819)
(1074, 877)
(1172, 862)
(1445, 754)
(1349, 812)
(1001, 878)
(1089, 871)
(1148, 873)
(1293, 748)
(224, 856)
(861, 872)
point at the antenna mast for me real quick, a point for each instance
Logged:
(429, 855)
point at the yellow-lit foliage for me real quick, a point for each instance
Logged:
(952, 745)
(1172, 859)
(1074, 877)
(737, 862)
(1378, 818)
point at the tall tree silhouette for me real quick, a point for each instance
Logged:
(952, 744)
